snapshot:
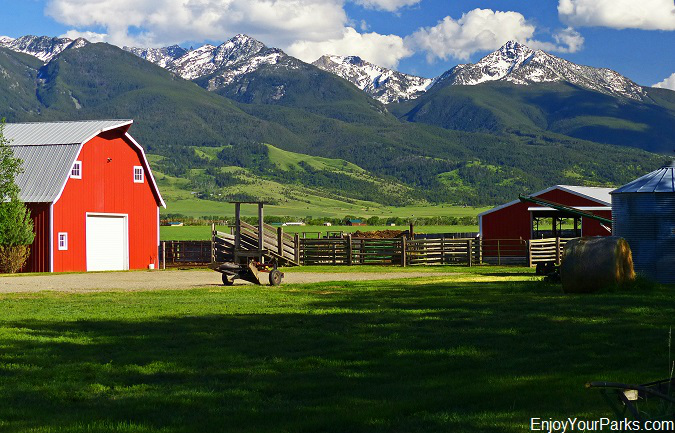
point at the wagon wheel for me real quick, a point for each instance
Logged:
(540, 268)
(227, 281)
(275, 277)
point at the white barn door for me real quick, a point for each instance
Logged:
(107, 242)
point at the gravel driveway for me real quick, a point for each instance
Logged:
(172, 280)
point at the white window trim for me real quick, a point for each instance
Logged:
(142, 179)
(73, 176)
(63, 247)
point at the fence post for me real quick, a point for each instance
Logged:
(164, 255)
(404, 252)
(529, 253)
(499, 254)
(469, 252)
(280, 241)
(557, 251)
(213, 242)
(349, 249)
(442, 249)
(296, 241)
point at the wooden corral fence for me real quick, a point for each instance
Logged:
(398, 251)
(545, 250)
(504, 251)
(443, 251)
(184, 253)
(349, 250)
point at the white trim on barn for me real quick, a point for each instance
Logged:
(51, 237)
(581, 191)
(77, 165)
(79, 150)
(150, 177)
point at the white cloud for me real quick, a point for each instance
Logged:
(387, 5)
(90, 36)
(619, 14)
(276, 22)
(383, 50)
(485, 29)
(668, 83)
(566, 41)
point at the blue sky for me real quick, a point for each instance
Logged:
(423, 37)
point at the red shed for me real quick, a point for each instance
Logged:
(518, 220)
(91, 193)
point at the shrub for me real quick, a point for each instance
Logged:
(12, 258)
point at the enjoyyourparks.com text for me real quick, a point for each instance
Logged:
(602, 424)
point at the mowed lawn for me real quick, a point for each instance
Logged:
(483, 350)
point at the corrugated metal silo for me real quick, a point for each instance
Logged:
(643, 213)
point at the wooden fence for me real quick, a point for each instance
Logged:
(504, 251)
(184, 253)
(399, 251)
(365, 251)
(546, 250)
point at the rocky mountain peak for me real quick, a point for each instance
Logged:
(44, 48)
(383, 84)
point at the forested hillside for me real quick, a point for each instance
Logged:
(319, 115)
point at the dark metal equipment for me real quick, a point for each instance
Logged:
(649, 401)
(253, 272)
(251, 253)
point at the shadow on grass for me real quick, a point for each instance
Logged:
(392, 356)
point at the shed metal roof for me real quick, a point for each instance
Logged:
(597, 194)
(661, 180)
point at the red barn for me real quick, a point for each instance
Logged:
(92, 196)
(518, 220)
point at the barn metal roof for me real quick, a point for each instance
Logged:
(48, 133)
(661, 180)
(45, 170)
(49, 149)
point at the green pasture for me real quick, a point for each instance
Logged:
(201, 233)
(482, 350)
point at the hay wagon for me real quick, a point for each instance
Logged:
(252, 253)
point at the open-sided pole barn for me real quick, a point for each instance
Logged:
(91, 194)
(519, 220)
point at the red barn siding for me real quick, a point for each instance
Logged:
(38, 261)
(107, 186)
(513, 222)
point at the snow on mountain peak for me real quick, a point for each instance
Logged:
(237, 56)
(518, 64)
(44, 48)
(381, 83)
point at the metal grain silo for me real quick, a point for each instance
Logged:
(643, 213)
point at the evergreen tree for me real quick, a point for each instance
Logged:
(16, 225)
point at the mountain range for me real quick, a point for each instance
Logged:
(516, 121)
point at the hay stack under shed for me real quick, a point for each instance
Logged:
(589, 264)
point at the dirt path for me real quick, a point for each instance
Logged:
(171, 280)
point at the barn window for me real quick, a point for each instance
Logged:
(76, 172)
(63, 241)
(138, 174)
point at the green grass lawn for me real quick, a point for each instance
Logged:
(199, 233)
(480, 351)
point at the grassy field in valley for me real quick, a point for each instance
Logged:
(482, 350)
(197, 233)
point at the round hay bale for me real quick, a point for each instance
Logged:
(592, 263)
